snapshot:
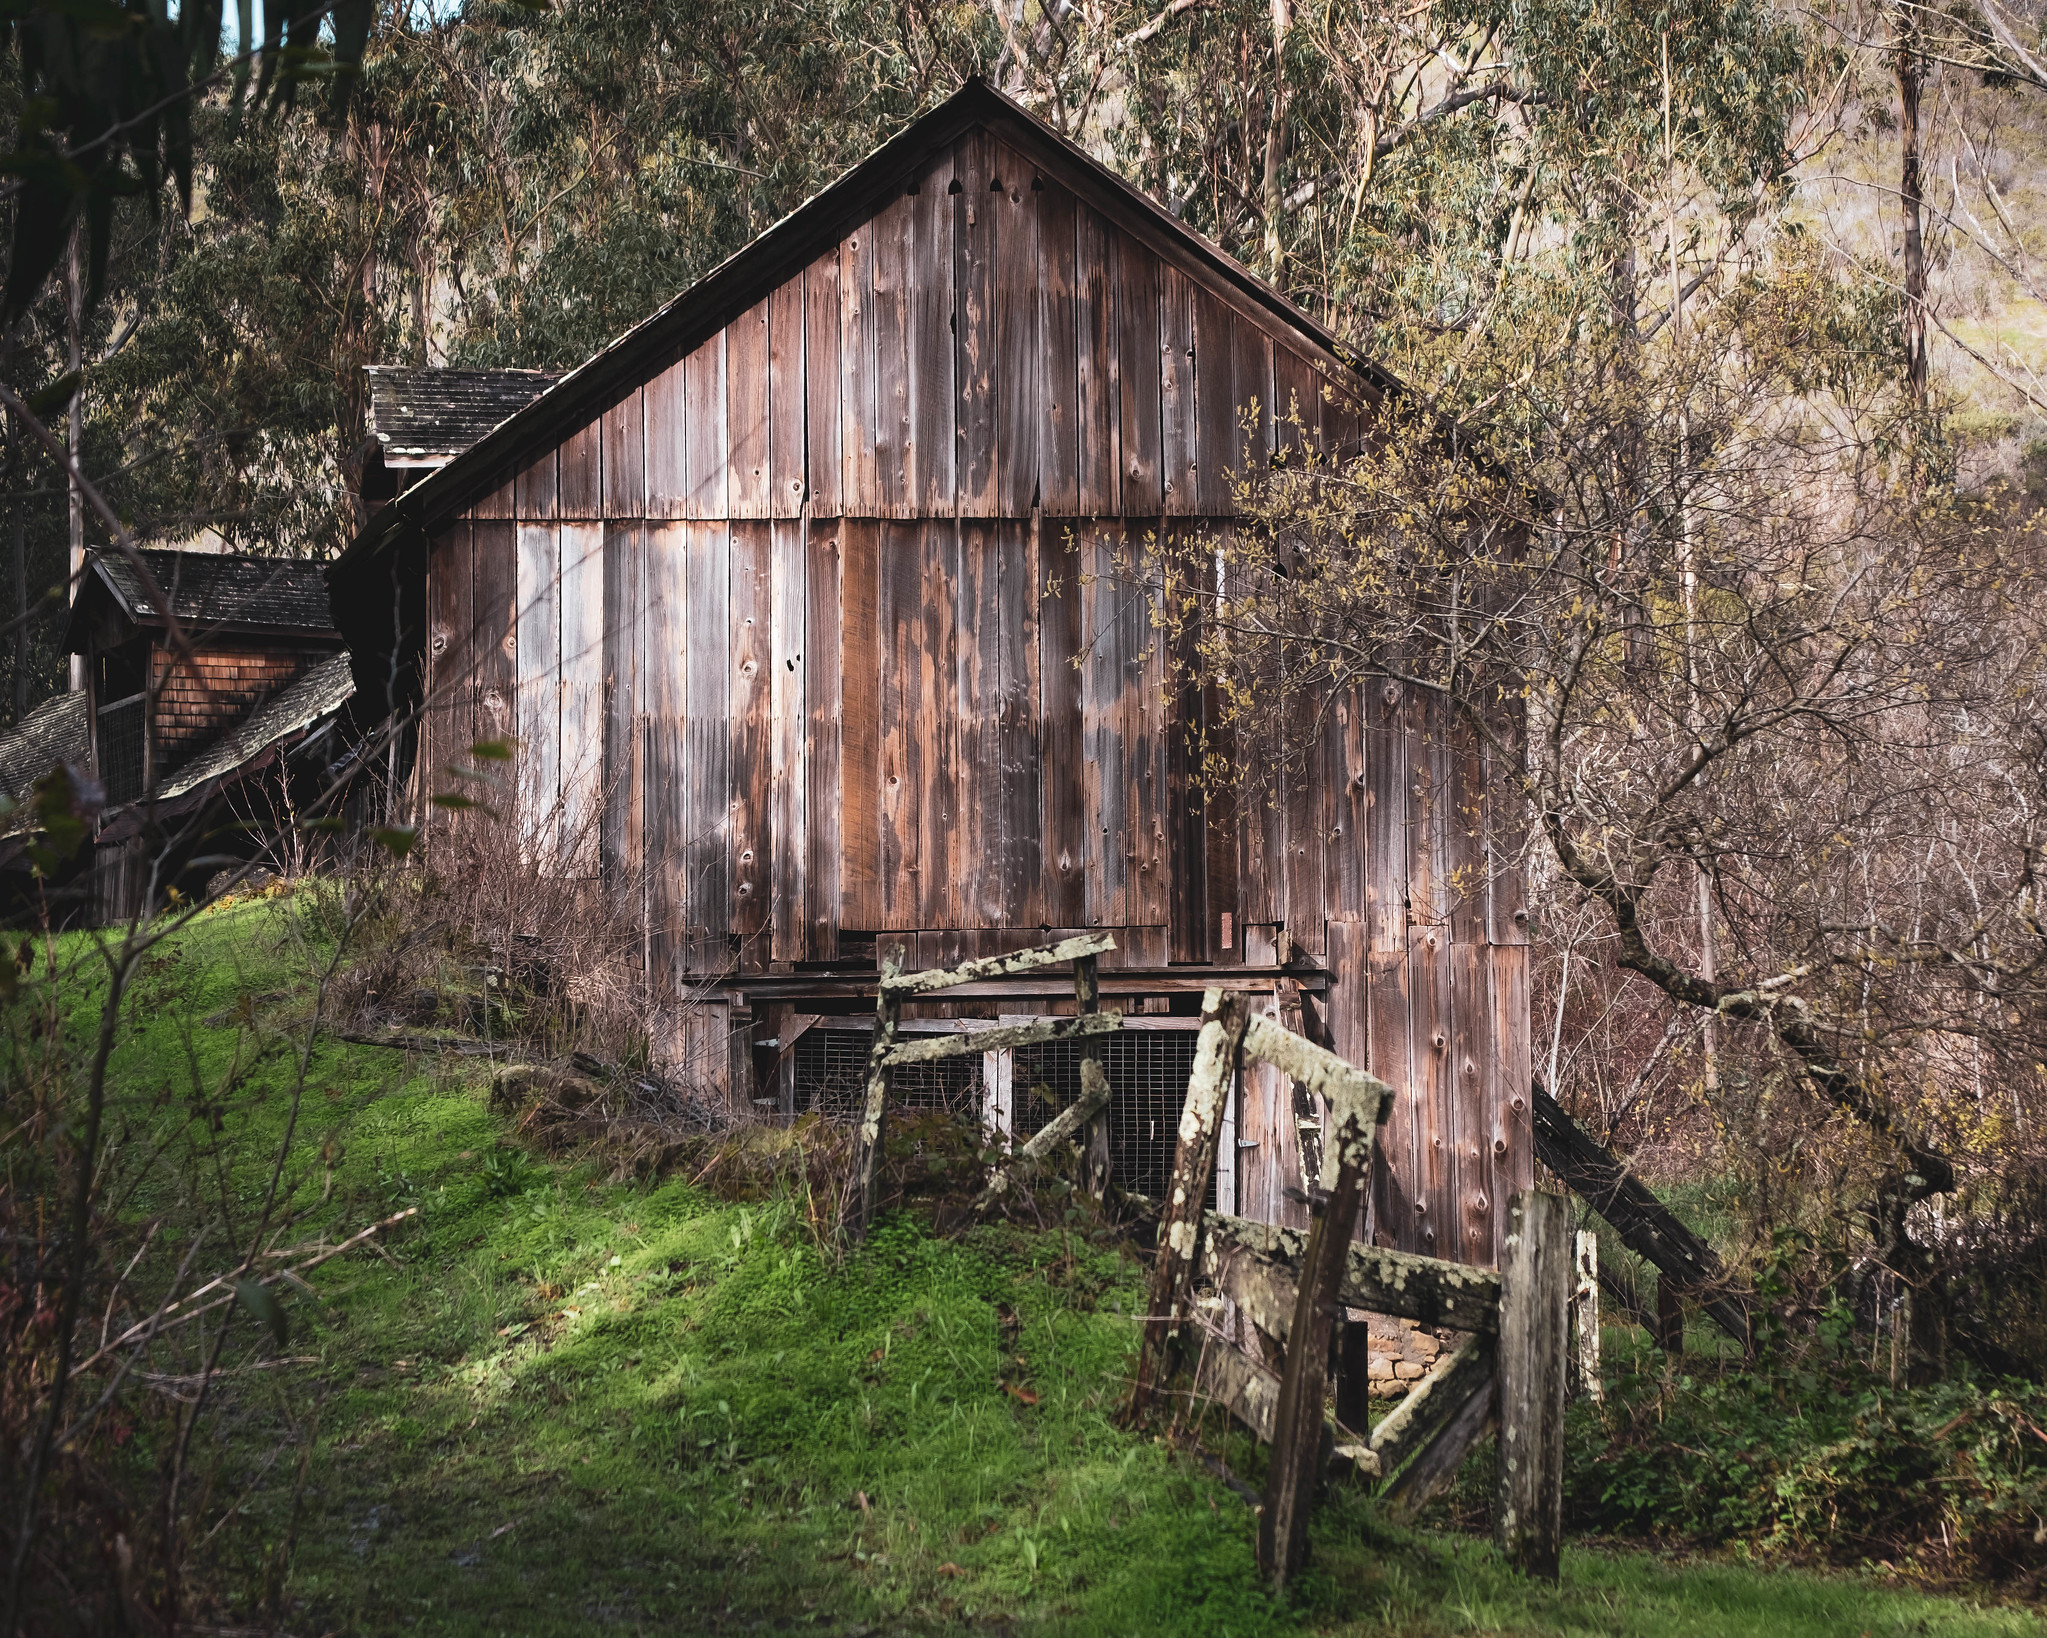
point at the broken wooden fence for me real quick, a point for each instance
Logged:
(889, 1051)
(1287, 1288)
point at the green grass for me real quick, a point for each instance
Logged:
(568, 1405)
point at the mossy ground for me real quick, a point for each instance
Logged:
(563, 1405)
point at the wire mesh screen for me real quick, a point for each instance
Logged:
(831, 1078)
(1147, 1072)
(120, 749)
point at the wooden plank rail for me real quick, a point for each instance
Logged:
(971, 1043)
(1430, 1404)
(905, 985)
(1645, 1225)
(1453, 1295)
(893, 988)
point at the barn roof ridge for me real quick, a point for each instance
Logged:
(686, 320)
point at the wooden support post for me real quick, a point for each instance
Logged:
(1670, 1316)
(1087, 999)
(1354, 1374)
(1585, 1318)
(1535, 1298)
(1354, 1116)
(1093, 1099)
(863, 1185)
(1223, 1021)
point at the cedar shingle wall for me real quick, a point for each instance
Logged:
(194, 708)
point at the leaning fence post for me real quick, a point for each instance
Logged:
(1297, 1423)
(1223, 1020)
(1087, 998)
(861, 1186)
(1533, 1364)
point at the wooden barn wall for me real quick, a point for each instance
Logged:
(820, 631)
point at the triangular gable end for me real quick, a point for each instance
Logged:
(923, 317)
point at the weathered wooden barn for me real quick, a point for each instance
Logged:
(812, 590)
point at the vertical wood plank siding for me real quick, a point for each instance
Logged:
(841, 622)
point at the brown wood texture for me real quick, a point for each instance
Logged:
(860, 706)
(703, 794)
(975, 217)
(1470, 1087)
(1533, 1368)
(625, 460)
(1097, 479)
(998, 747)
(859, 416)
(579, 482)
(537, 711)
(1297, 1420)
(929, 452)
(665, 628)
(533, 488)
(1386, 808)
(494, 629)
(451, 622)
(625, 790)
(706, 447)
(786, 399)
(823, 378)
(824, 767)
(748, 416)
(1064, 834)
(790, 732)
(581, 691)
(1181, 456)
(665, 405)
(1059, 359)
(951, 718)
(750, 711)
(1434, 1184)
(1019, 360)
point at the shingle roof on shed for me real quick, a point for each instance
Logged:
(210, 591)
(427, 417)
(53, 732)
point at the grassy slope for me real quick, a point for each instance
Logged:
(567, 1405)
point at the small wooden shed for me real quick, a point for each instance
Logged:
(810, 590)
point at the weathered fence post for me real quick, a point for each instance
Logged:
(1087, 998)
(1297, 1424)
(1223, 1021)
(1535, 1298)
(1585, 1317)
(861, 1186)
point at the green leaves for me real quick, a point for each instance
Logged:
(108, 91)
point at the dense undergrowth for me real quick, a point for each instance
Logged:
(1817, 1456)
(559, 1399)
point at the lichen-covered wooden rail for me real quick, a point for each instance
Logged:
(889, 1052)
(1287, 1288)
